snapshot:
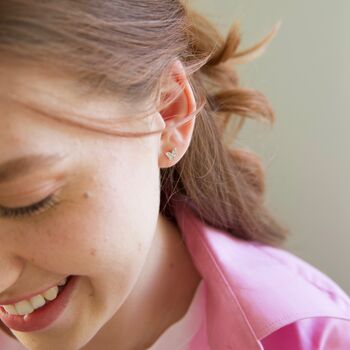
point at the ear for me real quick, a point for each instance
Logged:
(178, 137)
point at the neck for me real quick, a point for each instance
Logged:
(161, 296)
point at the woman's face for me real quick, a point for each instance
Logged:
(103, 226)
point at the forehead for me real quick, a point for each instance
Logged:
(34, 81)
(48, 88)
(40, 84)
(28, 95)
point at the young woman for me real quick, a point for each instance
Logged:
(126, 221)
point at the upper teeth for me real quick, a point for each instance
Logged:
(24, 307)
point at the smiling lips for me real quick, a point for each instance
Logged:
(28, 305)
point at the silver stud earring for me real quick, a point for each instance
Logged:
(171, 155)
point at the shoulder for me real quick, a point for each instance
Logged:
(262, 291)
(320, 333)
(280, 294)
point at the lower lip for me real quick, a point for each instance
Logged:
(42, 317)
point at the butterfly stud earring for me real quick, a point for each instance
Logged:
(171, 155)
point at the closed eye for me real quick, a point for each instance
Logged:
(29, 210)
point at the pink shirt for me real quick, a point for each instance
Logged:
(261, 297)
(251, 297)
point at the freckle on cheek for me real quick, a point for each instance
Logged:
(93, 252)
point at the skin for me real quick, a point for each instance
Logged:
(136, 274)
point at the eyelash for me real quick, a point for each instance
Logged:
(29, 210)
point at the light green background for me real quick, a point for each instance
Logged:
(305, 73)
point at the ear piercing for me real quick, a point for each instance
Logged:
(171, 155)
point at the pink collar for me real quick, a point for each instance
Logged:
(253, 289)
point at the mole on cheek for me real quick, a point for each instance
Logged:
(87, 195)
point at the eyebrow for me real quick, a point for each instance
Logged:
(15, 168)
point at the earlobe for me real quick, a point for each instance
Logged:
(175, 141)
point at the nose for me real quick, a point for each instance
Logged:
(11, 268)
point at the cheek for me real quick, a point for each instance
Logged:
(106, 231)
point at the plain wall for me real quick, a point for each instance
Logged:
(305, 73)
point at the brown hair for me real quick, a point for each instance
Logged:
(125, 48)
